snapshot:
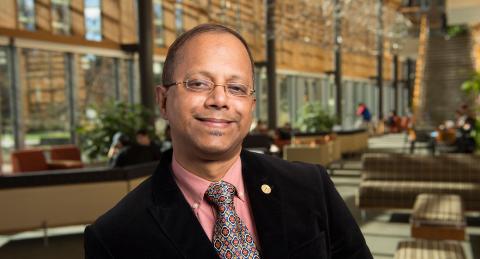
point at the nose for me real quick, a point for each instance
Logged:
(217, 98)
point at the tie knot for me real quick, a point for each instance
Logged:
(220, 193)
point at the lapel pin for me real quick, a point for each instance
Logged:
(266, 189)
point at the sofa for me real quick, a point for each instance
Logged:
(393, 181)
(325, 148)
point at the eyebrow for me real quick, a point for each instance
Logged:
(211, 76)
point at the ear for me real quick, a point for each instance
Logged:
(254, 104)
(161, 96)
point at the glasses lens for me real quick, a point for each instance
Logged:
(237, 89)
(199, 85)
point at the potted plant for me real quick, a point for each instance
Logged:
(313, 118)
(472, 87)
(100, 124)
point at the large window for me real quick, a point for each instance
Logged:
(61, 16)
(157, 72)
(348, 107)
(159, 35)
(26, 14)
(93, 20)
(6, 125)
(179, 17)
(44, 96)
(124, 83)
(284, 99)
(96, 83)
(261, 94)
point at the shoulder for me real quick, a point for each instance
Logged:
(132, 208)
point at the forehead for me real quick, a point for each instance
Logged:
(214, 48)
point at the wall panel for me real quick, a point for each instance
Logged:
(8, 14)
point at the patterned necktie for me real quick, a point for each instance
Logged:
(231, 237)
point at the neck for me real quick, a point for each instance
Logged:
(209, 169)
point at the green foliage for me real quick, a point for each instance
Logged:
(456, 30)
(472, 85)
(96, 133)
(312, 118)
(477, 134)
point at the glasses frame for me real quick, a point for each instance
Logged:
(184, 83)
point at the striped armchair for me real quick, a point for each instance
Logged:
(395, 180)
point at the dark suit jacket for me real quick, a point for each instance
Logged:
(302, 217)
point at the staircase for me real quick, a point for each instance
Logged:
(448, 63)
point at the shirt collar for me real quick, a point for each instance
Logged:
(194, 187)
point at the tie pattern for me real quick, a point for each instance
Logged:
(231, 237)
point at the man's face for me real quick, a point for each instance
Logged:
(209, 124)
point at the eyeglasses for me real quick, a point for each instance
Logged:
(207, 86)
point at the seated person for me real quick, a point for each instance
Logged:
(261, 127)
(144, 151)
(285, 132)
(120, 141)
(393, 122)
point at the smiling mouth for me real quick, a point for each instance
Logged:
(214, 122)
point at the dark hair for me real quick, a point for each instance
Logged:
(173, 50)
(142, 132)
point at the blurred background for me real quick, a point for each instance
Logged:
(384, 93)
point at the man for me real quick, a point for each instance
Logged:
(209, 198)
(364, 112)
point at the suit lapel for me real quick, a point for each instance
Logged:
(266, 208)
(175, 217)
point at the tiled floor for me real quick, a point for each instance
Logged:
(382, 229)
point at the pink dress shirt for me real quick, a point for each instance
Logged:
(194, 187)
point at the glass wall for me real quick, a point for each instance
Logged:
(95, 83)
(348, 107)
(388, 99)
(159, 33)
(124, 80)
(294, 91)
(93, 20)
(44, 99)
(261, 94)
(157, 72)
(179, 26)
(61, 20)
(6, 124)
(26, 14)
(286, 98)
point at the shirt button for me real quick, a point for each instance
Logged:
(195, 205)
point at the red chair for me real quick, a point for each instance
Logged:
(65, 157)
(65, 152)
(28, 160)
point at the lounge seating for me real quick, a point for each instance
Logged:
(320, 149)
(65, 157)
(61, 157)
(429, 249)
(325, 148)
(438, 217)
(395, 180)
(352, 141)
(28, 160)
(65, 152)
